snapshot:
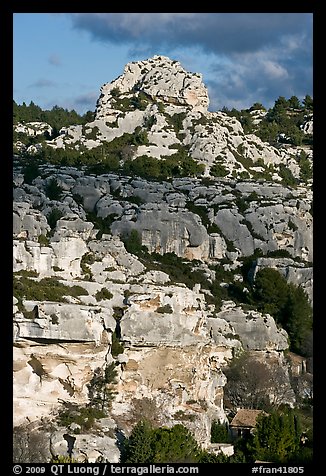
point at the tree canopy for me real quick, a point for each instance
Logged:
(160, 445)
(287, 303)
(277, 437)
(57, 117)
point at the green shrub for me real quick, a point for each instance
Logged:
(133, 242)
(87, 258)
(57, 269)
(219, 432)
(277, 437)
(200, 211)
(116, 346)
(84, 416)
(167, 309)
(287, 177)
(218, 170)
(27, 273)
(176, 121)
(287, 303)
(206, 457)
(292, 226)
(160, 445)
(102, 224)
(305, 167)
(245, 161)
(76, 291)
(160, 107)
(53, 217)
(47, 289)
(43, 240)
(213, 228)
(115, 92)
(104, 293)
(93, 134)
(52, 190)
(140, 101)
(242, 204)
(279, 254)
(31, 171)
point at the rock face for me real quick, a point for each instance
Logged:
(142, 263)
(34, 128)
(164, 231)
(163, 325)
(157, 97)
(195, 221)
(160, 78)
(254, 330)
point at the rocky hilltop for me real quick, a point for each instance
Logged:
(164, 108)
(161, 79)
(96, 259)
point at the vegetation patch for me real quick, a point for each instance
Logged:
(43, 240)
(47, 289)
(83, 416)
(167, 309)
(219, 432)
(104, 293)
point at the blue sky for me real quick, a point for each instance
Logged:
(64, 58)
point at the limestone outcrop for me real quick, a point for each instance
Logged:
(129, 271)
(160, 78)
(160, 99)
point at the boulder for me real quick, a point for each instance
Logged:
(255, 331)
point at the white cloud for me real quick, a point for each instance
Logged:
(274, 70)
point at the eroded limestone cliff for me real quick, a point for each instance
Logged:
(175, 340)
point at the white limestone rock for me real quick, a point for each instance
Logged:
(87, 447)
(28, 222)
(33, 128)
(155, 277)
(73, 228)
(31, 256)
(162, 79)
(68, 252)
(255, 330)
(91, 189)
(45, 373)
(229, 221)
(171, 384)
(223, 334)
(110, 251)
(66, 322)
(163, 231)
(162, 89)
(217, 246)
(308, 125)
(156, 316)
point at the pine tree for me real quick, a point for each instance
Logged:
(308, 102)
(297, 317)
(138, 447)
(100, 387)
(277, 437)
(270, 291)
(174, 445)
